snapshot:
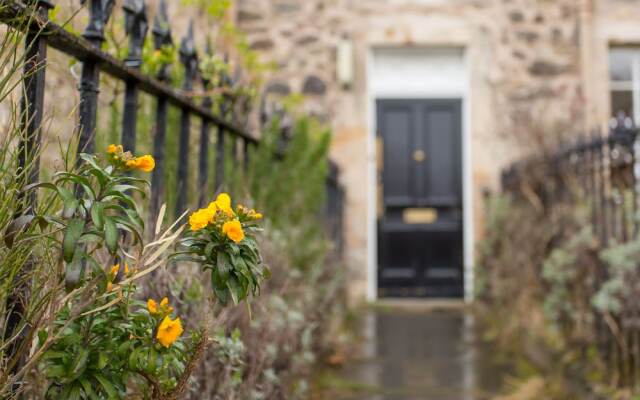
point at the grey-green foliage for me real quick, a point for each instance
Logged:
(497, 209)
(230, 352)
(622, 263)
(560, 270)
(291, 191)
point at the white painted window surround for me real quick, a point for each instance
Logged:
(419, 72)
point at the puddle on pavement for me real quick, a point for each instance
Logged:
(431, 355)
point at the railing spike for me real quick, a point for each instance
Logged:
(136, 26)
(162, 36)
(99, 14)
(161, 27)
(189, 57)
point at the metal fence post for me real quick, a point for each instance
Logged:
(226, 84)
(161, 38)
(245, 154)
(32, 101)
(220, 144)
(99, 13)
(31, 110)
(189, 59)
(136, 25)
(203, 161)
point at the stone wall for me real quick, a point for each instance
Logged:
(537, 70)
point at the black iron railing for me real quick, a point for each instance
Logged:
(602, 172)
(43, 33)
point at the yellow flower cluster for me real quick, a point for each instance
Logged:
(113, 273)
(169, 330)
(163, 309)
(221, 214)
(222, 207)
(113, 149)
(249, 212)
(144, 163)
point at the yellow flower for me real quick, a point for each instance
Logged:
(200, 219)
(126, 269)
(169, 331)
(144, 163)
(152, 306)
(164, 305)
(115, 269)
(112, 149)
(212, 207)
(223, 203)
(233, 230)
(257, 216)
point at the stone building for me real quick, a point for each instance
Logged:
(429, 99)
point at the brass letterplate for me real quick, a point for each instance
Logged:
(420, 215)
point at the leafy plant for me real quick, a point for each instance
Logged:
(101, 352)
(98, 208)
(223, 242)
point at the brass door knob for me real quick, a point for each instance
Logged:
(419, 156)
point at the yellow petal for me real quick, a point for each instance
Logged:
(152, 306)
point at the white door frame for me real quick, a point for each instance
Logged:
(445, 89)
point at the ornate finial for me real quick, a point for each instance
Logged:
(136, 26)
(161, 28)
(99, 13)
(226, 82)
(162, 35)
(206, 81)
(45, 3)
(189, 58)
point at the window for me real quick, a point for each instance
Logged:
(624, 76)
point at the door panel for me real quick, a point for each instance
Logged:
(400, 121)
(420, 176)
(441, 167)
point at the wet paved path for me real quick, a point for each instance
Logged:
(411, 354)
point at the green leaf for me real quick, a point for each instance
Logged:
(223, 266)
(78, 180)
(47, 185)
(73, 273)
(42, 337)
(88, 390)
(107, 386)
(71, 236)
(15, 227)
(70, 207)
(124, 188)
(221, 294)
(111, 235)
(97, 215)
(80, 363)
(102, 360)
(65, 194)
(234, 289)
(152, 361)
(266, 271)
